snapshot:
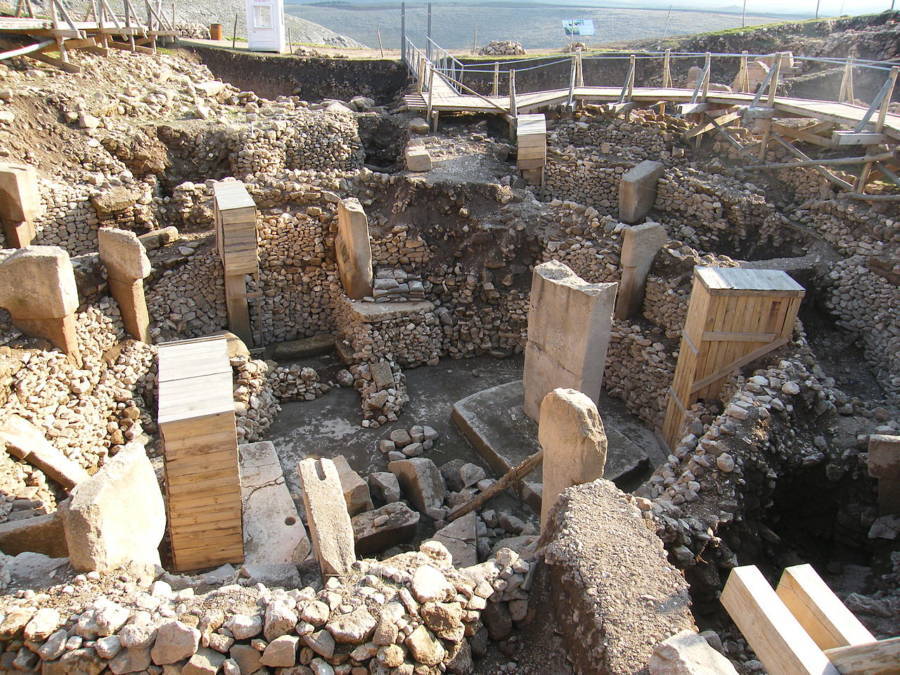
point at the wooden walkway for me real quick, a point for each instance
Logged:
(97, 33)
(446, 99)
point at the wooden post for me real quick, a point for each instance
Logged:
(430, 90)
(475, 42)
(428, 35)
(403, 32)
(579, 71)
(570, 100)
(495, 90)
(630, 84)
(420, 70)
(234, 32)
(879, 127)
(846, 94)
(706, 76)
(513, 107)
(773, 89)
(380, 46)
(666, 79)
(744, 73)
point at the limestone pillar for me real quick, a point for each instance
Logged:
(639, 246)
(20, 203)
(354, 252)
(569, 322)
(127, 266)
(571, 434)
(884, 464)
(37, 288)
(637, 191)
(329, 523)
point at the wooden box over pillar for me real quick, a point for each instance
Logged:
(531, 141)
(237, 247)
(735, 316)
(197, 425)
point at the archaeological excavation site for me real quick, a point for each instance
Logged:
(586, 362)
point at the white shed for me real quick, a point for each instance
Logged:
(265, 26)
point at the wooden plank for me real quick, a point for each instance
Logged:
(693, 108)
(821, 613)
(872, 658)
(769, 627)
(531, 163)
(703, 128)
(58, 63)
(806, 134)
(531, 153)
(858, 138)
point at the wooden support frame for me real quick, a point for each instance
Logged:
(803, 627)
(807, 134)
(513, 106)
(768, 625)
(628, 87)
(735, 316)
(818, 165)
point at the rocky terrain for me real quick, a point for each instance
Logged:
(771, 472)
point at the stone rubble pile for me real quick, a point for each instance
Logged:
(382, 391)
(502, 48)
(403, 443)
(411, 613)
(296, 383)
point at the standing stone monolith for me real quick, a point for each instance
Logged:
(354, 252)
(569, 324)
(572, 436)
(329, 523)
(20, 203)
(640, 244)
(37, 288)
(637, 191)
(127, 265)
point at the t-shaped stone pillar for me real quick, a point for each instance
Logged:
(884, 464)
(37, 288)
(569, 323)
(639, 246)
(572, 436)
(354, 252)
(20, 203)
(637, 191)
(127, 266)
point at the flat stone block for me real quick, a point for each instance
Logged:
(303, 348)
(117, 515)
(384, 527)
(418, 159)
(884, 456)
(273, 531)
(41, 534)
(20, 199)
(494, 422)
(374, 312)
(356, 490)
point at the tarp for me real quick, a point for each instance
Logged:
(578, 26)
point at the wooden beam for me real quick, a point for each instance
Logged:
(866, 659)
(857, 138)
(703, 128)
(125, 47)
(769, 627)
(59, 63)
(739, 363)
(692, 108)
(620, 108)
(821, 613)
(806, 134)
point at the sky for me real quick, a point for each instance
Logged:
(826, 7)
